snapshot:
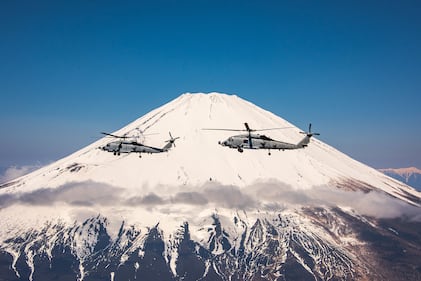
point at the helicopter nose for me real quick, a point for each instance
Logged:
(223, 143)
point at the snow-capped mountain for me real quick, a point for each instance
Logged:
(202, 211)
(411, 176)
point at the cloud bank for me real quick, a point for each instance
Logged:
(14, 172)
(265, 196)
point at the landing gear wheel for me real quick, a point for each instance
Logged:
(240, 150)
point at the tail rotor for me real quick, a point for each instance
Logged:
(309, 133)
(171, 141)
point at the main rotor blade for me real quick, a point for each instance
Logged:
(111, 135)
(243, 130)
(232, 130)
(151, 134)
(269, 129)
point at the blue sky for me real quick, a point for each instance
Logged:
(70, 69)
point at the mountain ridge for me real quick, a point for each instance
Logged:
(410, 176)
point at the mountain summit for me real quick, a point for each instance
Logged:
(201, 211)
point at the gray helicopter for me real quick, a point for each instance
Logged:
(257, 141)
(125, 146)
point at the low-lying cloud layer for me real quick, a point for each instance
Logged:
(14, 172)
(265, 196)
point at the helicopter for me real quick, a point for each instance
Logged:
(257, 141)
(125, 146)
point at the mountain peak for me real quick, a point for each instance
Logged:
(210, 94)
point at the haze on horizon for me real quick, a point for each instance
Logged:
(71, 70)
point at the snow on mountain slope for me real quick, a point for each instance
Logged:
(198, 159)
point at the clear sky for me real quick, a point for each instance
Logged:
(71, 69)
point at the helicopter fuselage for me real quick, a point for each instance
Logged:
(125, 146)
(256, 141)
(118, 147)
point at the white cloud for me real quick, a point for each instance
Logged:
(14, 172)
(270, 196)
